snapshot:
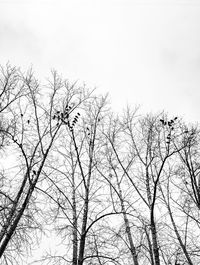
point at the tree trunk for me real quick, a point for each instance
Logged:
(83, 232)
(154, 240)
(150, 245)
(128, 230)
(179, 238)
(14, 224)
(75, 239)
(13, 210)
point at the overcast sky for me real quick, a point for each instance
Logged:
(141, 52)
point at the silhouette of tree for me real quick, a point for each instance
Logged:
(31, 134)
(75, 188)
(109, 187)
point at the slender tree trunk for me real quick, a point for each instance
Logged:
(132, 247)
(12, 212)
(154, 239)
(83, 232)
(150, 246)
(179, 238)
(86, 201)
(14, 224)
(128, 230)
(75, 238)
(152, 221)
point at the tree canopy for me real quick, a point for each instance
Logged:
(101, 187)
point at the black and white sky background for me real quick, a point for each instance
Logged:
(141, 52)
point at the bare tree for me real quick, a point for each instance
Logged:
(184, 187)
(109, 188)
(115, 179)
(75, 188)
(147, 148)
(34, 127)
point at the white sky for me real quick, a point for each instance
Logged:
(141, 52)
